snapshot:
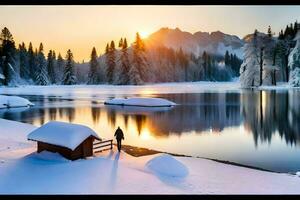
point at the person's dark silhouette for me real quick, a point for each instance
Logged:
(119, 136)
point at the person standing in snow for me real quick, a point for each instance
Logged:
(119, 136)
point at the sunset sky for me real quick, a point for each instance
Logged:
(82, 27)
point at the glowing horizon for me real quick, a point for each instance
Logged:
(80, 28)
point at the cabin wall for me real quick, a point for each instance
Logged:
(54, 148)
(83, 150)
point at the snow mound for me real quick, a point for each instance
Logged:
(62, 134)
(167, 165)
(13, 102)
(140, 101)
(298, 173)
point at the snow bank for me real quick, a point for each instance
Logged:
(140, 101)
(167, 165)
(13, 101)
(62, 134)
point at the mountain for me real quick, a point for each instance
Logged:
(214, 43)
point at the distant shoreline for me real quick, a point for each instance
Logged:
(140, 151)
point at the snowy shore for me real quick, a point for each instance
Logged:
(79, 91)
(23, 171)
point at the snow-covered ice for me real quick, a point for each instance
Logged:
(62, 134)
(80, 91)
(13, 102)
(140, 101)
(23, 171)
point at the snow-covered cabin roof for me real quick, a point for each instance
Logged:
(62, 134)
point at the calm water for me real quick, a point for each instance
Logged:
(257, 128)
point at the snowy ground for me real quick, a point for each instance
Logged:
(23, 171)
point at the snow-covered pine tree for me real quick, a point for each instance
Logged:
(124, 78)
(250, 68)
(41, 76)
(50, 67)
(110, 62)
(59, 69)
(269, 59)
(7, 54)
(134, 75)
(24, 64)
(294, 62)
(295, 78)
(139, 61)
(69, 76)
(93, 77)
(31, 62)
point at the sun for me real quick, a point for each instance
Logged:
(144, 34)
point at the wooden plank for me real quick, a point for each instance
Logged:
(102, 146)
(95, 143)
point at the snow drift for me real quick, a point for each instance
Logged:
(13, 102)
(167, 165)
(139, 101)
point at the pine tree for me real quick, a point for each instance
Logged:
(31, 61)
(7, 53)
(69, 77)
(250, 68)
(93, 77)
(205, 64)
(107, 49)
(209, 67)
(110, 62)
(50, 66)
(227, 58)
(183, 62)
(41, 77)
(270, 31)
(24, 62)
(139, 62)
(121, 43)
(60, 65)
(124, 78)
(269, 58)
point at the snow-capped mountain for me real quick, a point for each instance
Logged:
(215, 42)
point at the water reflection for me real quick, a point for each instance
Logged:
(262, 113)
(266, 113)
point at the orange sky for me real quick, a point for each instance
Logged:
(82, 27)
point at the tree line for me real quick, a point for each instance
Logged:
(121, 64)
(269, 59)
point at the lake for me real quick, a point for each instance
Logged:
(251, 127)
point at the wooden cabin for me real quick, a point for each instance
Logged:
(73, 141)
